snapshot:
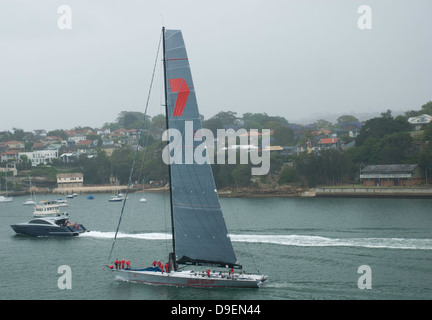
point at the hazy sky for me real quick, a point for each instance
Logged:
(293, 58)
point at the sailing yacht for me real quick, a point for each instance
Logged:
(5, 198)
(32, 200)
(200, 236)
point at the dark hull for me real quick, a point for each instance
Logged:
(48, 231)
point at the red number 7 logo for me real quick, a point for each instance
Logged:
(179, 85)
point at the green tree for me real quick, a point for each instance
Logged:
(58, 133)
(241, 175)
(379, 127)
(96, 170)
(158, 126)
(427, 134)
(395, 148)
(327, 167)
(222, 120)
(346, 118)
(426, 108)
(287, 175)
(121, 161)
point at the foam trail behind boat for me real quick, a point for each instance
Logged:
(290, 240)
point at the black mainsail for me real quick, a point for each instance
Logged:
(200, 235)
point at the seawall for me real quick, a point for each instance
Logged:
(378, 192)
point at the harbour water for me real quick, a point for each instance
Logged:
(310, 248)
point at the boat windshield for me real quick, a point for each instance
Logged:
(38, 221)
(61, 222)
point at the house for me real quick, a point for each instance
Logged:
(68, 157)
(41, 156)
(119, 132)
(70, 180)
(38, 146)
(77, 137)
(418, 123)
(9, 155)
(84, 143)
(102, 132)
(289, 151)
(10, 168)
(15, 144)
(329, 143)
(392, 175)
(107, 141)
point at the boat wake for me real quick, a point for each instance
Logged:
(289, 240)
(120, 235)
(317, 241)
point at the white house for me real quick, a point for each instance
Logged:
(40, 156)
(77, 137)
(420, 121)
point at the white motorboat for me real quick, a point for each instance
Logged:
(46, 208)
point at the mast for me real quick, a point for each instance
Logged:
(173, 257)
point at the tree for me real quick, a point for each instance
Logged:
(379, 127)
(323, 124)
(287, 175)
(346, 118)
(283, 136)
(328, 167)
(158, 126)
(222, 120)
(427, 108)
(395, 148)
(427, 134)
(96, 170)
(130, 121)
(58, 133)
(121, 163)
(242, 175)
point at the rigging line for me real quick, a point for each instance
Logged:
(136, 152)
(246, 245)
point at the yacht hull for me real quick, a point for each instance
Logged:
(191, 279)
(48, 231)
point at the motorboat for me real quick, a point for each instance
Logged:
(49, 227)
(118, 198)
(6, 199)
(62, 202)
(46, 208)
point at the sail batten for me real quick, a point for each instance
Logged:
(200, 233)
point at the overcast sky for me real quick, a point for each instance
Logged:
(292, 58)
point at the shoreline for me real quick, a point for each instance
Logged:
(286, 191)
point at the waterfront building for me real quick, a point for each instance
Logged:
(392, 175)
